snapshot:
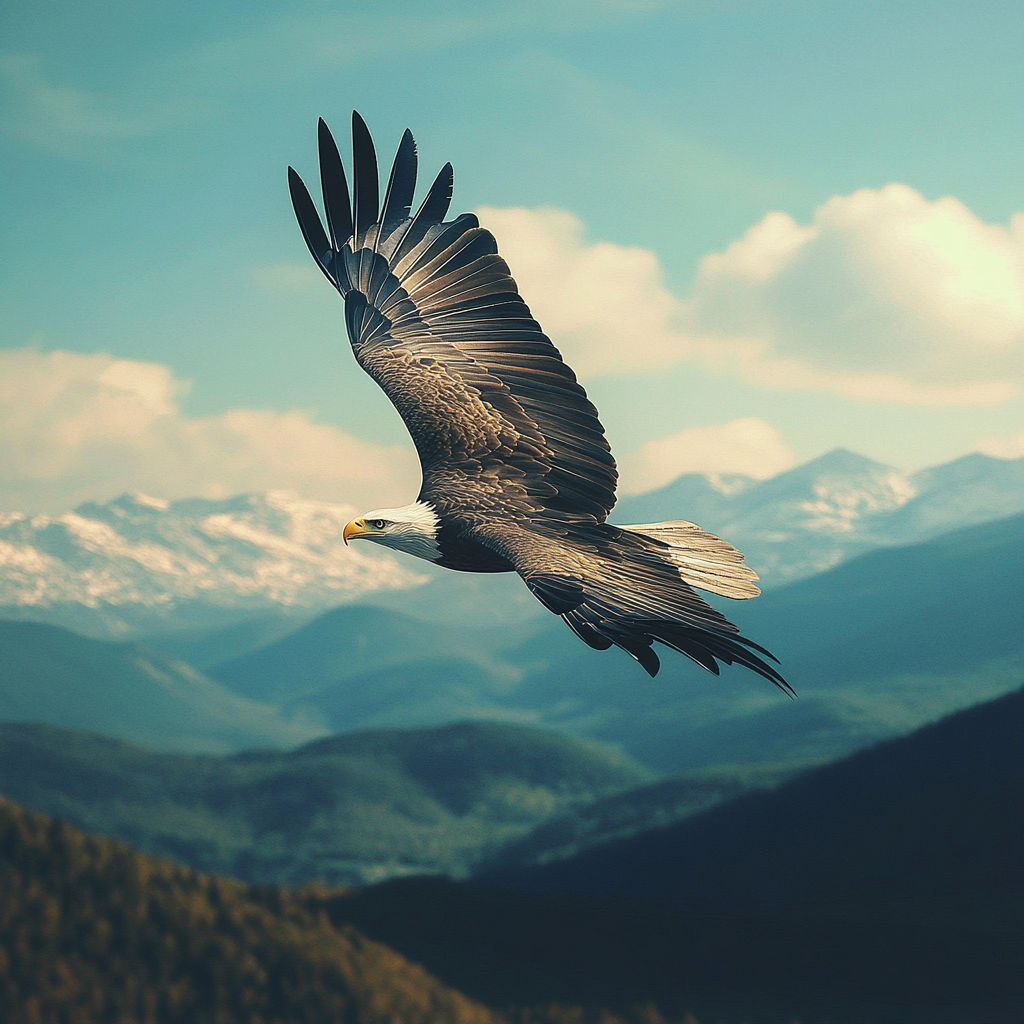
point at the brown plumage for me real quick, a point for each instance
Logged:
(517, 473)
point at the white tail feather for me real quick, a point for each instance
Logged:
(703, 560)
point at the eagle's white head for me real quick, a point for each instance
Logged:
(412, 529)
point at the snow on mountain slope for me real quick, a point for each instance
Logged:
(140, 565)
(249, 552)
(811, 518)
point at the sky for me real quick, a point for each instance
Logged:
(757, 230)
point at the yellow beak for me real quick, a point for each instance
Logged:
(355, 529)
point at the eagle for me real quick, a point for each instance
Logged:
(517, 475)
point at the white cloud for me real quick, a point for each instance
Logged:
(748, 446)
(79, 427)
(604, 305)
(289, 278)
(1004, 447)
(46, 112)
(885, 296)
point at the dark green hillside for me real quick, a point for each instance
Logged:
(888, 887)
(352, 808)
(92, 931)
(49, 674)
(933, 818)
(625, 814)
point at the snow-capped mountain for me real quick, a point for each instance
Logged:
(817, 515)
(137, 564)
(137, 561)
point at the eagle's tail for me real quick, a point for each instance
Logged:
(639, 589)
(703, 560)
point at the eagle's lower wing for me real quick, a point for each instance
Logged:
(618, 586)
(435, 318)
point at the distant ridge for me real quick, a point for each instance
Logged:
(49, 674)
(841, 504)
(139, 565)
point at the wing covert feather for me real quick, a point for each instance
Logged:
(436, 319)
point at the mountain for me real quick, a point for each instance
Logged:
(91, 930)
(348, 809)
(812, 518)
(930, 818)
(361, 666)
(341, 643)
(885, 887)
(51, 675)
(875, 647)
(207, 646)
(138, 564)
(625, 814)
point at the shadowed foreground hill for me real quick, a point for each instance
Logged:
(887, 887)
(934, 818)
(92, 931)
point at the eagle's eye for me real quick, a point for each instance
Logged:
(378, 524)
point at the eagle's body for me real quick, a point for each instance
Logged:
(517, 473)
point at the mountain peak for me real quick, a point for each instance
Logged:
(252, 551)
(839, 460)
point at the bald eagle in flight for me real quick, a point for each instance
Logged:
(517, 473)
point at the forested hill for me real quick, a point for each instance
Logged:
(92, 931)
(930, 820)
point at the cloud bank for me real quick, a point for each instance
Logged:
(1004, 447)
(605, 305)
(78, 427)
(884, 296)
(748, 446)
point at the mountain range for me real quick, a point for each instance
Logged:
(886, 887)
(139, 565)
(347, 809)
(875, 647)
(814, 517)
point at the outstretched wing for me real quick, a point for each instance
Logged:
(435, 318)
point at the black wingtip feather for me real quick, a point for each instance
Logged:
(334, 185)
(310, 225)
(366, 200)
(401, 185)
(432, 210)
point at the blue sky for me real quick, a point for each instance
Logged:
(731, 217)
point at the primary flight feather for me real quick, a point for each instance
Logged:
(517, 473)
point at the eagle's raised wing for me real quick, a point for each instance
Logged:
(435, 318)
